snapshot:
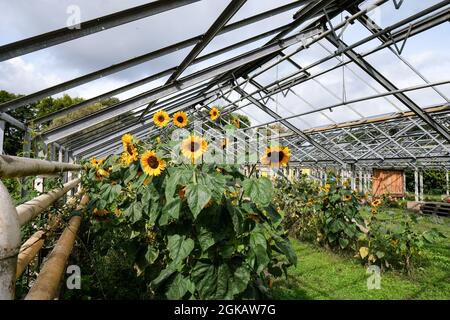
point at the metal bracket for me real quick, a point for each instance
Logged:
(400, 50)
(333, 30)
(397, 3)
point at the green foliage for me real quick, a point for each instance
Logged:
(339, 216)
(194, 232)
(13, 144)
(398, 246)
(49, 104)
(332, 217)
(326, 275)
(434, 181)
(330, 214)
(80, 112)
(295, 200)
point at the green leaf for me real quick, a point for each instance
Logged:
(206, 239)
(179, 287)
(215, 182)
(179, 247)
(132, 171)
(172, 181)
(172, 208)
(262, 259)
(151, 255)
(257, 238)
(236, 217)
(284, 246)
(164, 274)
(343, 242)
(240, 280)
(212, 282)
(198, 196)
(134, 212)
(260, 190)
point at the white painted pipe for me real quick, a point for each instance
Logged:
(11, 167)
(32, 208)
(9, 244)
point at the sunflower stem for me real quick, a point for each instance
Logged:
(249, 175)
(194, 175)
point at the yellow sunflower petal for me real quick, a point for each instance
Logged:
(214, 113)
(152, 164)
(180, 119)
(161, 118)
(193, 147)
(276, 156)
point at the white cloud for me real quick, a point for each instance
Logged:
(18, 76)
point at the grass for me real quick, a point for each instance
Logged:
(321, 274)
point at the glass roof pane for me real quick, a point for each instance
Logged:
(254, 7)
(103, 49)
(386, 14)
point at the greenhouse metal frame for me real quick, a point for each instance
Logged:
(413, 136)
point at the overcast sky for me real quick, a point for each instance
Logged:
(428, 52)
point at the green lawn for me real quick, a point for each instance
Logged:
(321, 274)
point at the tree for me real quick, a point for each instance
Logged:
(13, 142)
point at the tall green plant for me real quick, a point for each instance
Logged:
(197, 231)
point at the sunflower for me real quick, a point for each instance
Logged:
(276, 156)
(180, 119)
(225, 143)
(326, 188)
(373, 211)
(130, 153)
(193, 147)
(161, 118)
(96, 162)
(100, 212)
(101, 173)
(347, 197)
(158, 139)
(127, 139)
(236, 122)
(152, 164)
(214, 113)
(376, 203)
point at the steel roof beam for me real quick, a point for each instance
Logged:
(160, 92)
(17, 103)
(382, 80)
(290, 126)
(232, 8)
(62, 35)
(153, 77)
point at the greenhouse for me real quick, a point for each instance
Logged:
(225, 150)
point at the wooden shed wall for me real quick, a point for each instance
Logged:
(387, 182)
